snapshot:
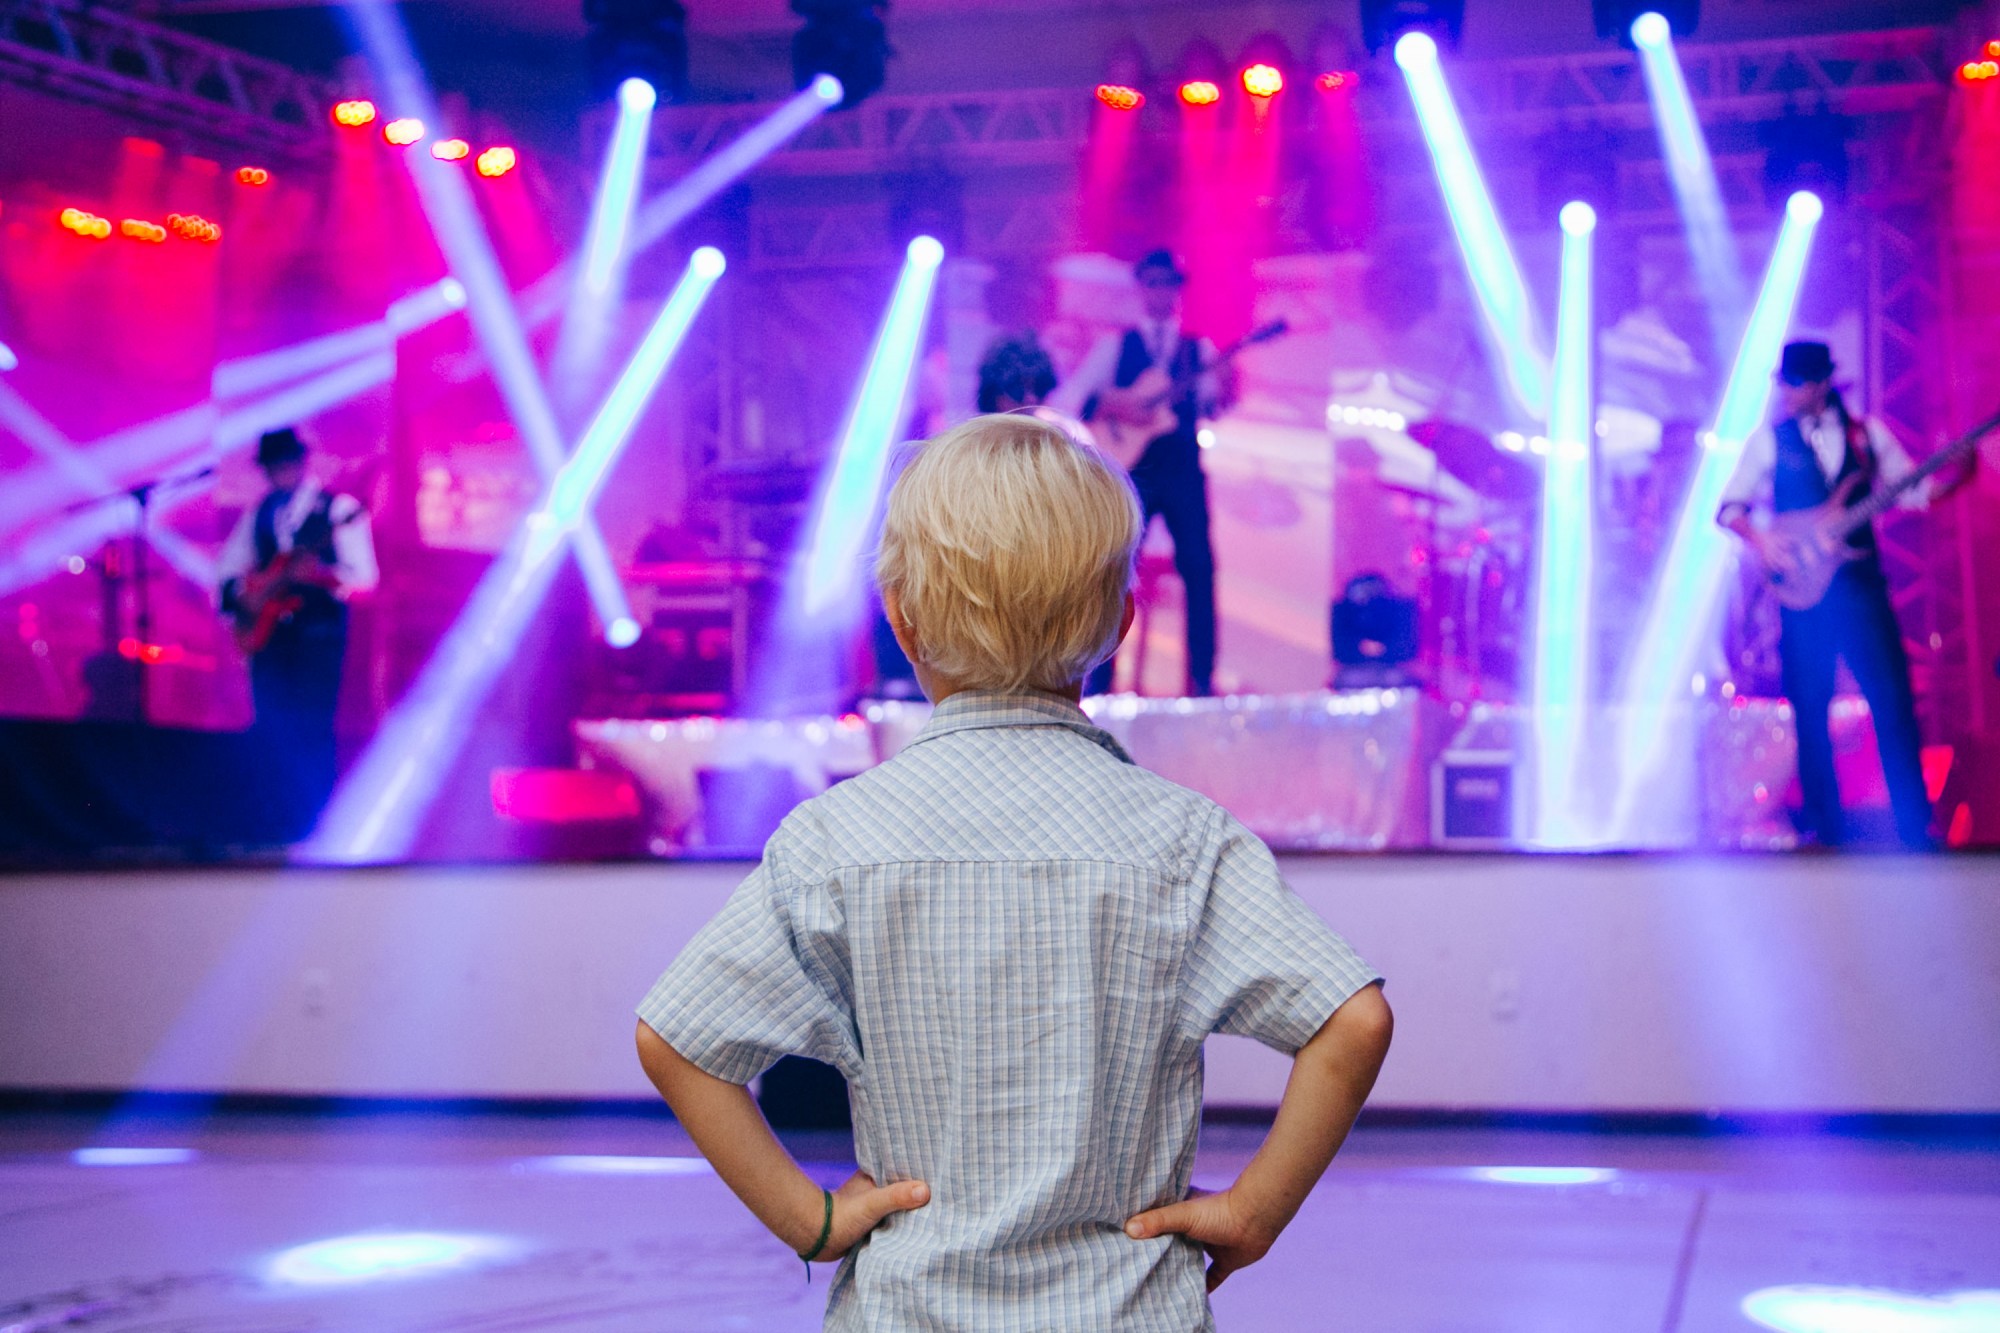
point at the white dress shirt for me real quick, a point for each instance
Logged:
(354, 569)
(1750, 485)
(1098, 370)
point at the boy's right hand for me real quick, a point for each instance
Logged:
(1232, 1238)
(859, 1207)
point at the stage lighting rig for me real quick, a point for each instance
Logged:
(1383, 21)
(844, 38)
(1806, 152)
(1615, 18)
(637, 39)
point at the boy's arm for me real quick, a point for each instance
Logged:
(731, 1132)
(1331, 1077)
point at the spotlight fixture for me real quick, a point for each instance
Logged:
(1337, 81)
(85, 223)
(402, 133)
(1200, 92)
(354, 112)
(451, 150)
(193, 227)
(1383, 21)
(844, 38)
(1261, 80)
(1979, 71)
(252, 176)
(496, 161)
(637, 39)
(1119, 97)
(140, 230)
(1642, 22)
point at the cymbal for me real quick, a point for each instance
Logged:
(1472, 457)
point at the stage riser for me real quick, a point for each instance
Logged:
(1752, 984)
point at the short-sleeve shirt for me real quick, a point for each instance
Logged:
(1749, 484)
(1012, 941)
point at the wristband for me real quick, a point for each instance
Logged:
(825, 1234)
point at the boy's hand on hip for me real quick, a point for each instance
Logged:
(859, 1207)
(1232, 1238)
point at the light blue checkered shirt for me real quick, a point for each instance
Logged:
(1012, 942)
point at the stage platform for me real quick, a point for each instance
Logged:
(517, 1224)
(1746, 984)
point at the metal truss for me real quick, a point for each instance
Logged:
(1855, 74)
(101, 55)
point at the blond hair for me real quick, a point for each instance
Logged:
(1009, 546)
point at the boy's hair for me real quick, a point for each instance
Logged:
(1010, 546)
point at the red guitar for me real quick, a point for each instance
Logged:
(266, 597)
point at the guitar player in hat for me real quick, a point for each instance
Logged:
(1167, 472)
(1818, 454)
(288, 570)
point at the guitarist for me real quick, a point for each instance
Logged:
(1168, 473)
(1816, 450)
(301, 542)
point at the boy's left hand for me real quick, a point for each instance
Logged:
(1231, 1237)
(859, 1207)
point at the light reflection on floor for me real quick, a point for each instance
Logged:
(429, 1223)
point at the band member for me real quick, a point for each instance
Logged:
(288, 571)
(1168, 473)
(1815, 448)
(1015, 373)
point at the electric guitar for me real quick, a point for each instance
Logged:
(1129, 419)
(1815, 540)
(267, 597)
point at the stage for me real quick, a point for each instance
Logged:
(1747, 984)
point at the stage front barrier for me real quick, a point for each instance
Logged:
(1356, 770)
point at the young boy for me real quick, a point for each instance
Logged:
(1012, 942)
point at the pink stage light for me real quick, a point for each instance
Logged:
(252, 176)
(1261, 80)
(194, 227)
(1119, 97)
(496, 161)
(404, 132)
(1200, 92)
(1979, 71)
(85, 223)
(354, 113)
(451, 150)
(140, 230)
(1337, 80)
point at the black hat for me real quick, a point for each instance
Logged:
(1158, 261)
(1806, 363)
(279, 446)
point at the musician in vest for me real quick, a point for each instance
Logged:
(1816, 452)
(1167, 473)
(288, 570)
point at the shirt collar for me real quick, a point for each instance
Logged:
(976, 710)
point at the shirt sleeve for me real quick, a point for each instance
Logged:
(1262, 964)
(1750, 484)
(744, 992)
(1893, 463)
(1091, 377)
(239, 555)
(353, 547)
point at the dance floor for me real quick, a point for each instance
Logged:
(431, 1223)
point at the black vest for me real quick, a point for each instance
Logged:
(1797, 482)
(315, 534)
(1134, 360)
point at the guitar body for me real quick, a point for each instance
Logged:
(267, 598)
(1817, 539)
(1130, 419)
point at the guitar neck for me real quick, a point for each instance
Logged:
(1867, 511)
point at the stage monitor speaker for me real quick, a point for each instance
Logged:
(1374, 635)
(1472, 798)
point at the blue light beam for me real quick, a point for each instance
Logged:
(1496, 278)
(454, 217)
(601, 283)
(379, 808)
(1679, 624)
(1563, 621)
(833, 572)
(245, 375)
(1717, 265)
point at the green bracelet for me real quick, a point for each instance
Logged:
(825, 1234)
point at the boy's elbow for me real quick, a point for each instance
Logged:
(1366, 1019)
(660, 1061)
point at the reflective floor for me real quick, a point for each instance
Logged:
(490, 1223)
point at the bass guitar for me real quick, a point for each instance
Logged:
(1814, 542)
(1129, 419)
